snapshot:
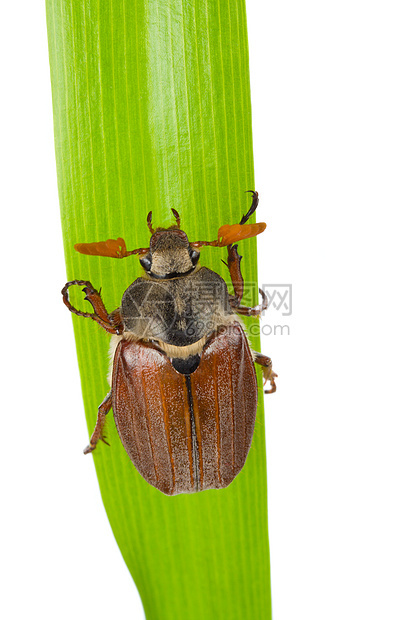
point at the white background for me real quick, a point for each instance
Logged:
(333, 140)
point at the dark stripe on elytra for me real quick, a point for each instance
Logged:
(147, 418)
(167, 431)
(195, 446)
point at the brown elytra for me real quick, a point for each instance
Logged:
(186, 433)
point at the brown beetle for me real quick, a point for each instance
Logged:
(183, 387)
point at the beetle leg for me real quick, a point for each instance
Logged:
(234, 259)
(267, 371)
(233, 264)
(115, 319)
(112, 323)
(103, 410)
(255, 311)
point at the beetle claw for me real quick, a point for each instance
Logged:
(88, 290)
(89, 449)
(271, 378)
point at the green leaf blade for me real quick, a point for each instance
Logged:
(152, 112)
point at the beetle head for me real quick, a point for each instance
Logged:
(170, 254)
